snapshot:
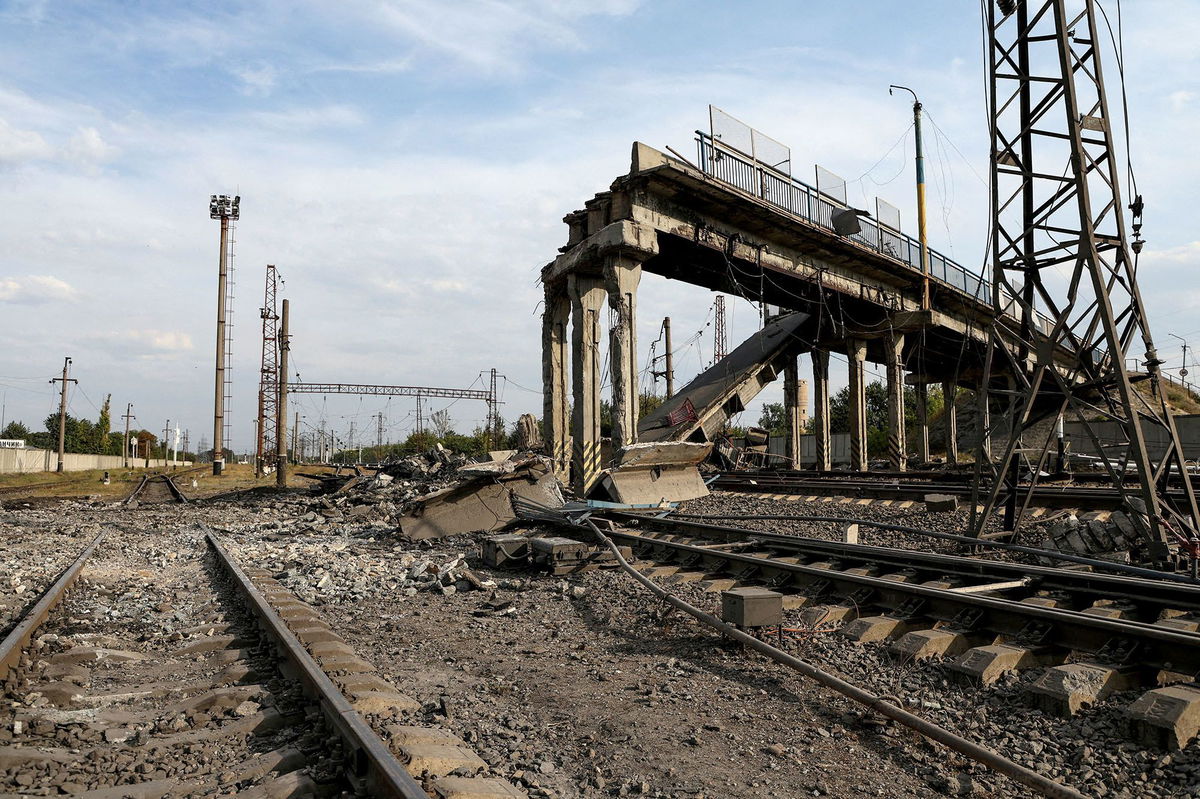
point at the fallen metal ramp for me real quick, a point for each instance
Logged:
(701, 409)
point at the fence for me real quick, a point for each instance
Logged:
(26, 461)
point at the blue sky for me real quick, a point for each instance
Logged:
(406, 165)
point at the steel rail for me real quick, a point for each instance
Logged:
(1159, 647)
(894, 488)
(873, 702)
(372, 762)
(1103, 565)
(1165, 593)
(18, 638)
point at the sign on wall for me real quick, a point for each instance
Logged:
(12, 443)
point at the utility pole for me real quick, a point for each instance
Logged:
(925, 299)
(295, 432)
(497, 424)
(281, 406)
(62, 412)
(166, 440)
(669, 368)
(223, 208)
(1183, 373)
(720, 340)
(125, 441)
(186, 445)
(419, 425)
(379, 433)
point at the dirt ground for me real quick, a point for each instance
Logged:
(582, 686)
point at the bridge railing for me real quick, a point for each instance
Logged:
(796, 197)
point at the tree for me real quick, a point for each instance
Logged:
(15, 429)
(774, 418)
(80, 434)
(441, 422)
(103, 428)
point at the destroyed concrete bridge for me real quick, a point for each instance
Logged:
(740, 226)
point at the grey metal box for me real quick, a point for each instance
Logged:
(554, 550)
(752, 607)
(505, 551)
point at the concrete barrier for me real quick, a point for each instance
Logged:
(1188, 426)
(25, 461)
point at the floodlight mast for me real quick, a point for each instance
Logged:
(1047, 90)
(224, 208)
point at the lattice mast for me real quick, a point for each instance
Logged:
(268, 375)
(1060, 247)
(720, 339)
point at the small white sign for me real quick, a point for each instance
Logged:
(12, 443)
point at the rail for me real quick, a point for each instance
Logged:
(16, 641)
(797, 198)
(371, 761)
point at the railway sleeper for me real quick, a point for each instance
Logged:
(447, 766)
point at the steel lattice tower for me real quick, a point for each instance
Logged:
(1063, 265)
(268, 375)
(720, 339)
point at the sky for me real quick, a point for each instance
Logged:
(406, 165)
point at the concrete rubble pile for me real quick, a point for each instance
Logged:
(321, 571)
(428, 496)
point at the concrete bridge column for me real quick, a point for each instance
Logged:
(985, 428)
(897, 441)
(950, 416)
(556, 423)
(922, 396)
(587, 300)
(621, 277)
(820, 363)
(856, 352)
(794, 409)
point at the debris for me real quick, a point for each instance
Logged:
(938, 503)
(656, 472)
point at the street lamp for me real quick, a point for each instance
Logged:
(921, 238)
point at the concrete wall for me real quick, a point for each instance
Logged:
(24, 461)
(839, 446)
(1080, 442)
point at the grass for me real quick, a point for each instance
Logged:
(90, 483)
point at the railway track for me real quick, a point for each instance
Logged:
(154, 489)
(903, 487)
(207, 679)
(1088, 635)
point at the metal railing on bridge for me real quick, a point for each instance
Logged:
(796, 197)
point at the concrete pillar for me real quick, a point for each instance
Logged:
(820, 364)
(856, 354)
(793, 404)
(985, 427)
(556, 405)
(897, 441)
(950, 416)
(587, 300)
(621, 277)
(922, 395)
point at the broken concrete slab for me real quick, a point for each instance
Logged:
(483, 504)
(649, 473)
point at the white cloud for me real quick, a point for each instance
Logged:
(1181, 99)
(17, 145)
(89, 148)
(328, 116)
(35, 290)
(257, 81)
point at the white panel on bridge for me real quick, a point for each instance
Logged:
(829, 184)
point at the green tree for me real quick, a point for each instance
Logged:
(103, 428)
(15, 429)
(80, 434)
(774, 418)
